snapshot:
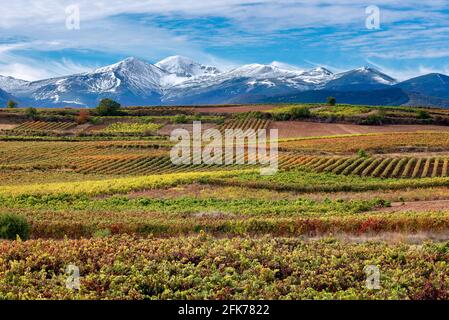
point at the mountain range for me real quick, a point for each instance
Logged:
(181, 81)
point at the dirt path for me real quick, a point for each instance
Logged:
(418, 206)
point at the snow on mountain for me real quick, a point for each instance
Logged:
(129, 81)
(137, 75)
(185, 67)
(254, 79)
(360, 79)
(10, 84)
(179, 80)
(285, 66)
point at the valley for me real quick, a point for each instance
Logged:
(356, 186)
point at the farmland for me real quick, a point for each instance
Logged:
(104, 195)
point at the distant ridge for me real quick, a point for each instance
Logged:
(179, 80)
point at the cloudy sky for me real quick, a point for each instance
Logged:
(40, 38)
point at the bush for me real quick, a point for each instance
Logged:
(422, 114)
(331, 101)
(108, 107)
(83, 117)
(299, 113)
(374, 119)
(11, 104)
(283, 116)
(12, 226)
(362, 153)
(31, 113)
(180, 118)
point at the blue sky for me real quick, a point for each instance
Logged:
(413, 37)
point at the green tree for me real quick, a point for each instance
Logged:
(108, 107)
(31, 113)
(11, 104)
(331, 101)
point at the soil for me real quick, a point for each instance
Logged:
(298, 129)
(417, 206)
(7, 126)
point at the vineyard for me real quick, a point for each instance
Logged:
(245, 124)
(31, 126)
(132, 128)
(383, 167)
(106, 197)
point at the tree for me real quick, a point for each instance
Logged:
(82, 117)
(31, 113)
(108, 107)
(11, 104)
(331, 101)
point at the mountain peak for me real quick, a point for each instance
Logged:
(285, 66)
(185, 67)
(131, 63)
(177, 59)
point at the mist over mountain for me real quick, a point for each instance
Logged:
(179, 80)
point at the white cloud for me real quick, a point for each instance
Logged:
(103, 28)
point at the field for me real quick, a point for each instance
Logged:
(105, 197)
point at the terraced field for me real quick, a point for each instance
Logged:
(140, 227)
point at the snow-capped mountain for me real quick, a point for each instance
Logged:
(179, 80)
(185, 67)
(250, 79)
(361, 79)
(131, 81)
(9, 83)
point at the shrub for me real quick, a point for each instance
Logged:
(422, 114)
(180, 118)
(102, 233)
(108, 107)
(281, 116)
(374, 119)
(331, 101)
(299, 113)
(82, 117)
(362, 153)
(11, 104)
(12, 226)
(31, 113)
